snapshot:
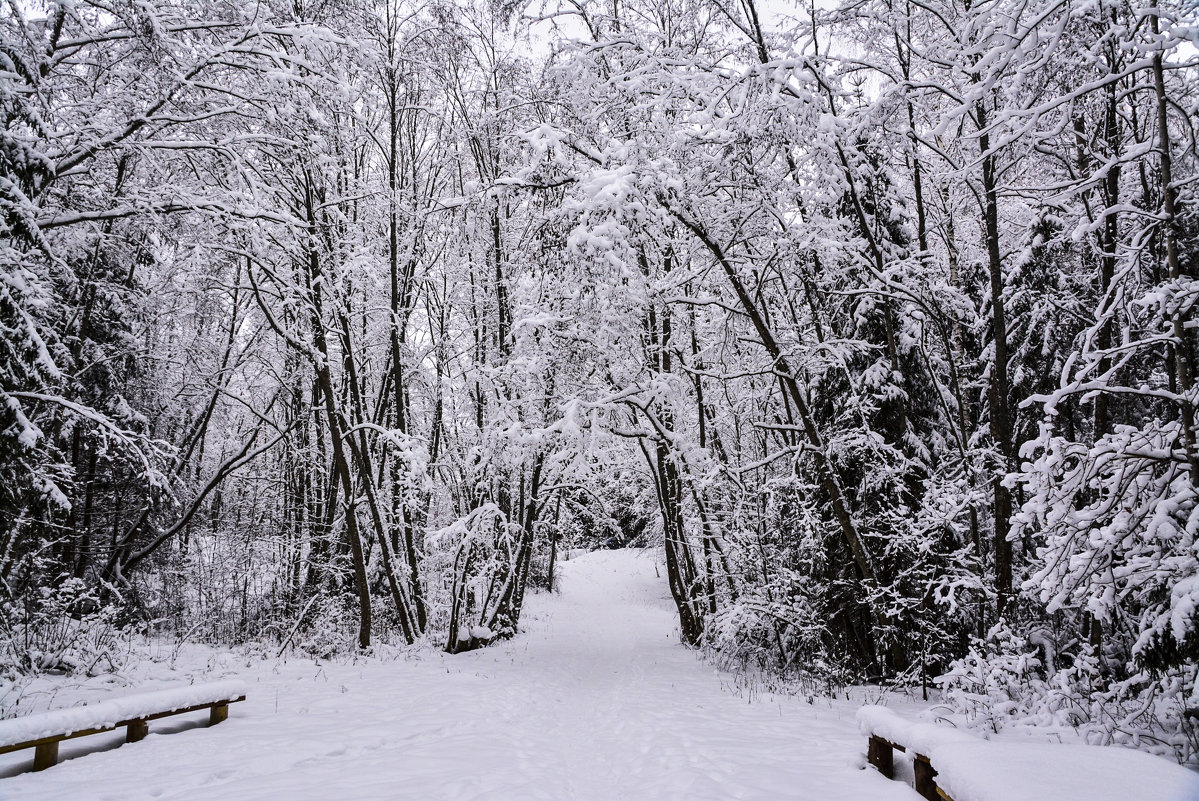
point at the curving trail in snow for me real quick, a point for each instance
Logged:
(596, 701)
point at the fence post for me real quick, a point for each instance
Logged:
(923, 772)
(45, 755)
(881, 755)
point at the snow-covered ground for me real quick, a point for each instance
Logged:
(596, 700)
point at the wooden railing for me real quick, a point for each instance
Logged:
(1018, 768)
(44, 731)
(881, 753)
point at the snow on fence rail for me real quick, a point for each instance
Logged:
(968, 768)
(44, 731)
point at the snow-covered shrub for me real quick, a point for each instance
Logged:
(756, 630)
(1003, 683)
(1141, 711)
(328, 629)
(778, 637)
(748, 639)
(998, 679)
(62, 629)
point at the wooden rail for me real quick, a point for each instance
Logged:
(1046, 771)
(881, 753)
(45, 752)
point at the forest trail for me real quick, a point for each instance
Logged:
(596, 700)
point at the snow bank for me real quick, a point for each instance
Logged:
(971, 769)
(107, 714)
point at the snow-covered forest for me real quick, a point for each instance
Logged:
(329, 325)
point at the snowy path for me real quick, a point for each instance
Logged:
(595, 701)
